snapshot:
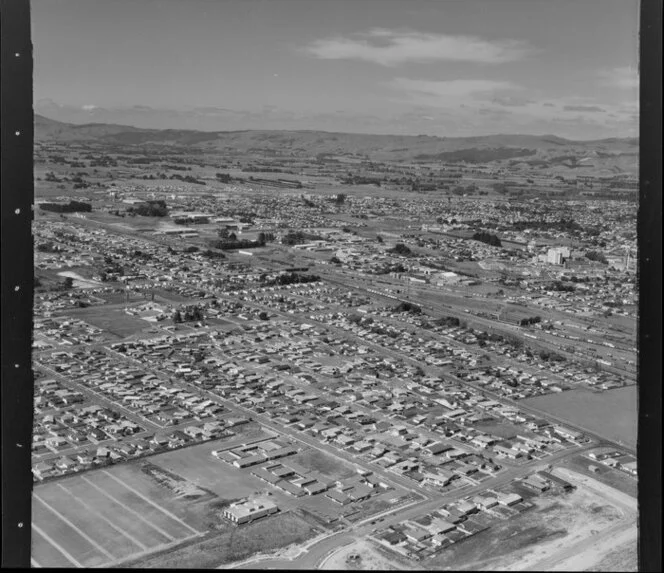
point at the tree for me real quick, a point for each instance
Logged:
(264, 315)
(401, 249)
(68, 283)
(177, 317)
(379, 238)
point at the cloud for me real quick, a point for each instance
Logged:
(625, 77)
(511, 101)
(588, 108)
(453, 88)
(88, 107)
(493, 112)
(390, 48)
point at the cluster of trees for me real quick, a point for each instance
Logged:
(175, 167)
(298, 238)
(613, 303)
(50, 176)
(360, 180)
(562, 225)
(48, 247)
(408, 307)
(104, 161)
(213, 254)
(550, 356)
(290, 279)
(529, 321)
(191, 313)
(401, 249)
(396, 268)
(259, 169)
(234, 243)
(281, 183)
(561, 287)
(596, 256)
(223, 177)
(460, 190)
(488, 238)
(265, 237)
(187, 179)
(71, 207)
(447, 321)
(152, 208)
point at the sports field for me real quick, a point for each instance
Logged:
(99, 520)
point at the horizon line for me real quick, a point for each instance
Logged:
(542, 135)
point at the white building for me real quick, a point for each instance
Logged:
(249, 510)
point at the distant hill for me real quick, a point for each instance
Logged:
(549, 153)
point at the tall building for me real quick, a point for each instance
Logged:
(558, 255)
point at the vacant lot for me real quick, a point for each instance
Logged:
(113, 320)
(327, 465)
(612, 414)
(371, 558)
(606, 475)
(555, 524)
(234, 544)
(500, 429)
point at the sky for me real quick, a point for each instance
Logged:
(436, 67)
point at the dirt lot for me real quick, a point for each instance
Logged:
(606, 475)
(540, 538)
(372, 558)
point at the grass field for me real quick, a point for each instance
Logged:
(502, 430)
(611, 414)
(234, 544)
(113, 320)
(327, 465)
(101, 519)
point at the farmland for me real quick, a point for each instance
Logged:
(99, 519)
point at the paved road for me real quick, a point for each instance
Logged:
(320, 550)
(445, 374)
(459, 301)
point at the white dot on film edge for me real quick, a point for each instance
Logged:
(17, 211)
(18, 133)
(17, 288)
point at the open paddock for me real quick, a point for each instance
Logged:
(611, 414)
